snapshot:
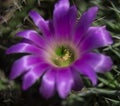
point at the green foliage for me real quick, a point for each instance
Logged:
(14, 17)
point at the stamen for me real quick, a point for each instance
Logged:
(64, 56)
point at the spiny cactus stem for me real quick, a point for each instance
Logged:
(38, 1)
(98, 91)
(26, 18)
(3, 47)
(7, 17)
(16, 4)
(3, 20)
(24, 1)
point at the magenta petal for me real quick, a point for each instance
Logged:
(24, 48)
(40, 22)
(95, 37)
(60, 18)
(71, 17)
(24, 64)
(64, 82)
(47, 88)
(51, 26)
(32, 36)
(100, 63)
(33, 75)
(78, 84)
(86, 69)
(61, 6)
(84, 23)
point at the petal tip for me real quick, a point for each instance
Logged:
(7, 51)
(24, 87)
(11, 77)
(109, 65)
(94, 82)
(109, 35)
(95, 8)
(44, 95)
(63, 95)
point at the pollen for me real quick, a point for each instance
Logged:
(64, 56)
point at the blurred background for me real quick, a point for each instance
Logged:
(14, 18)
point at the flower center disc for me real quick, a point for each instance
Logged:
(64, 56)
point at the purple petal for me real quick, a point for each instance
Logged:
(95, 37)
(24, 40)
(24, 48)
(33, 75)
(51, 26)
(78, 84)
(84, 23)
(100, 63)
(32, 36)
(62, 5)
(47, 88)
(60, 18)
(24, 64)
(86, 69)
(64, 82)
(72, 16)
(40, 22)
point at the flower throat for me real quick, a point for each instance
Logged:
(64, 56)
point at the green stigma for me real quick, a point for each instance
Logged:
(64, 56)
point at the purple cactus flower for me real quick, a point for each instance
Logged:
(63, 52)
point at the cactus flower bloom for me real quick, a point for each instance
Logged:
(62, 52)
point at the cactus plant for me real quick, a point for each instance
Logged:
(14, 18)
